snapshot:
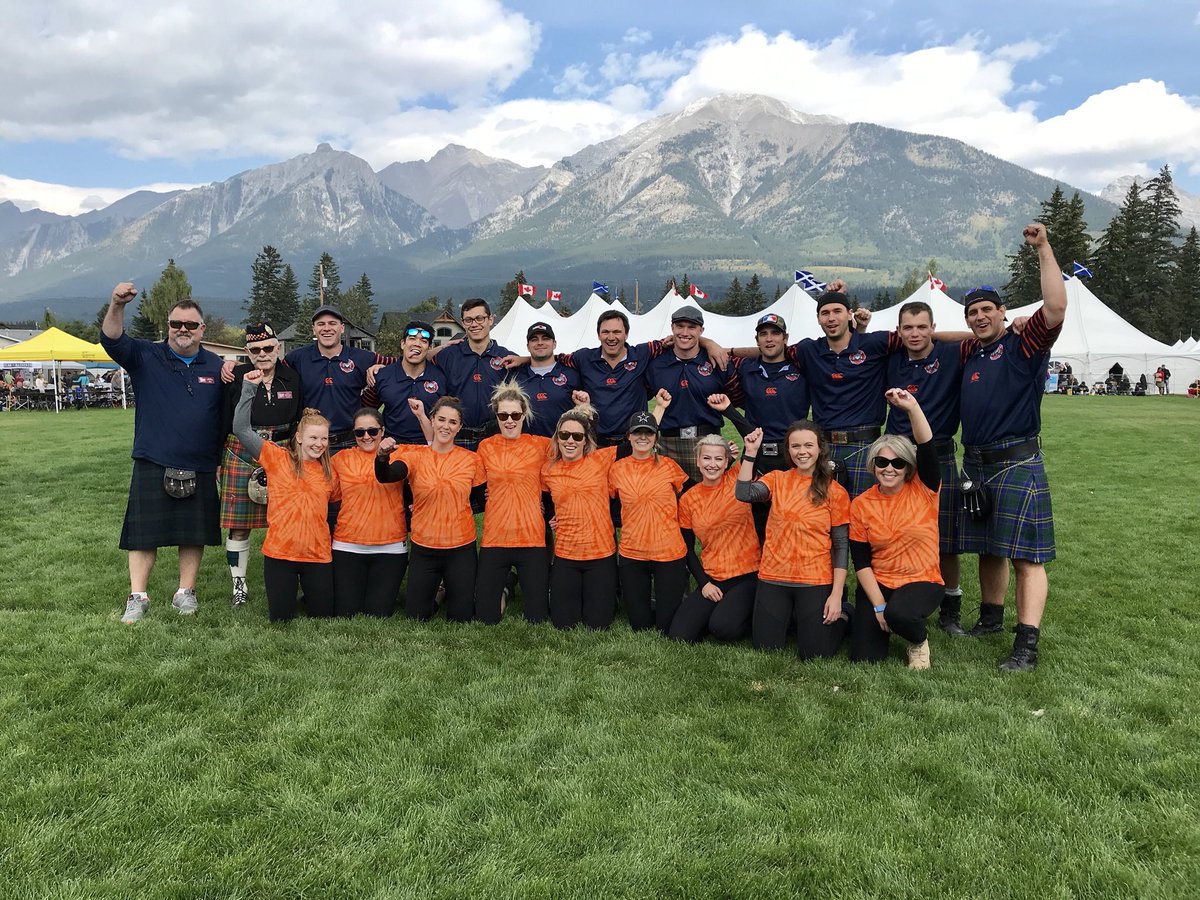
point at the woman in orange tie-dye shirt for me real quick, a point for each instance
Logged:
(300, 482)
(370, 553)
(894, 542)
(514, 525)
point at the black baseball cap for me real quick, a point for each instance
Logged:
(643, 421)
(983, 293)
(328, 311)
(539, 328)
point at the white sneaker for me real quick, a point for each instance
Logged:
(135, 610)
(240, 594)
(918, 655)
(185, 601)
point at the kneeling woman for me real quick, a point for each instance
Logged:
(300, 483)
(443, 478)
(370, 554)
(894, 542)
(804, 557)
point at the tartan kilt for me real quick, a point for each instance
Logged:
(155, 519)
(948, 503)
(854, 455)
(1021, 525)
(683, 451)
(238, 511)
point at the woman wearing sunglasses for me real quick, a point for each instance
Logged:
(370, 554)
(894, 542)
(274, 412)
(514, 524)
(445, 480)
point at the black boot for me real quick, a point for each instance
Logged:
(948, 617)
(1024, 651)
(991, 620)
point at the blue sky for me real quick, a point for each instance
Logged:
(104, 97)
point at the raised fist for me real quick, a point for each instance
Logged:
(254, 376)
(1035, 234)
(386, 446)
(663, 397)
(123, 293)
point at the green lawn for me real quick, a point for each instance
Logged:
(219, 756)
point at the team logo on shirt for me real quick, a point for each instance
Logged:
(997, 353)
(836, 376)
(430, 387)
(974, 377)
(933, 366)
(542, 396)
(705, 368)
(912, 388)
(560, 379)
(771, 392)
(631, 365)
(792, 376)
(683, 382)
(496, 363)
(346, 365)
(205, 379)
(328, 380)
(477, 378)
(857, 358)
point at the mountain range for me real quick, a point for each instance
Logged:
(730, 185)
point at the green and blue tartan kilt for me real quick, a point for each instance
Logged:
(858, 467)
(1021, 525)
(153, 518)
(238, 511)
(683, 451)
(948, 502)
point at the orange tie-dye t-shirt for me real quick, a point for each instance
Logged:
(584, 528)
(649, 494)
(725, 526)
(441, 488)
(297, 508)
(371, 513)
(513, 468)
(798, 544)
(903, 533)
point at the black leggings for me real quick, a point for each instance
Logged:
(583, 590)
(775, 607)
(533, 573)
(727, 620)
(281, 577)
(670, 582)
(907, 608)
(367, 582)
(427, 568)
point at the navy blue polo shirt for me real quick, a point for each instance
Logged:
(333, 384)
(774, 395)
(394, 387)
(934, 380)
(1003, 384)
(549, 395)
(689, 382)
(846, 389)
(617, 391)
(177, 417)
(471, 377)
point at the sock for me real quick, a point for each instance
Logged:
(237, 554)
(955, 591)
(140, 595)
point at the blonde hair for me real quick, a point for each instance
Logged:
(585, 415)
(714, 440)
(511, 392)
(901, 446)
(309, 417)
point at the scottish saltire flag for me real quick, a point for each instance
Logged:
(598, 288)
(1082, 271)
(809, 282)
(526, 290)
(1066, 277)
(698, 294)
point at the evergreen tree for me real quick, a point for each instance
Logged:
(509, 293)
(753, 298)
(141, 326)
(288, 298)
(333, 282)
(431, 304)
(778, 290)
(171, 287)
(391, 334)
(357, 305)
(732, 299)
(1187, 286)
(916, 276)
(1115, 267)
(621, 295)
(882, 299)
(1160, 254)
(265, 274)
(685, 287)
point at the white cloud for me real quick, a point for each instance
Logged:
(574, 82)
(68, 200)
(636, 36)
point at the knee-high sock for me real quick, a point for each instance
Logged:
(237, 553)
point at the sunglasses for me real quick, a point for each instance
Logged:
(570, 436)
(261, 351)
(882, 462)
(418, 332)
(509, 416)
(373, 431)
(184, 324)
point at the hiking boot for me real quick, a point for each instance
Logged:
(918, 655)
(240, 595)
(991, 620)
(185, 601)
(949, 616)
(1024, 654)
(135, 610)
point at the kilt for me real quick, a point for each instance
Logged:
(948, 502)
(1021, 525)
(155, 519)
(238, 512)
(854, 455)
(683, 451)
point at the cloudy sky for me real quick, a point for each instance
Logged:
(104, 97)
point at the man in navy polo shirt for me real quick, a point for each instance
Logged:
(411, 376)
(690, 376)
(176, 426)
(1003, 379)
(552, 387)
(333, 375)
(473, 369)
(775, 393)
(931, 371)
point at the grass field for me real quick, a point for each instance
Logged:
(219, 756)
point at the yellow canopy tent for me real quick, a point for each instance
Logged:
(55, 345)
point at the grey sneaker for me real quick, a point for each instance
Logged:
(240, 594)
(185, 601)
(135, 610)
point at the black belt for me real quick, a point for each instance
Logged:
(854, 435)
(273, 432)
(468, 432)
(1004, 454)
(701, 430)
(943, 446)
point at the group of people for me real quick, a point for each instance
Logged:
(373, 468)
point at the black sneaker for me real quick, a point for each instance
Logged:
(1024, 654)
(991, 620)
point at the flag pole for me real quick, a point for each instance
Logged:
(637, 302)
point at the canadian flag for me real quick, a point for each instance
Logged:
(936, 283)
(698, 294)
(526, 290)
(552, 296)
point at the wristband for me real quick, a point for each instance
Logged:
(746, 458)
(880, 608)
